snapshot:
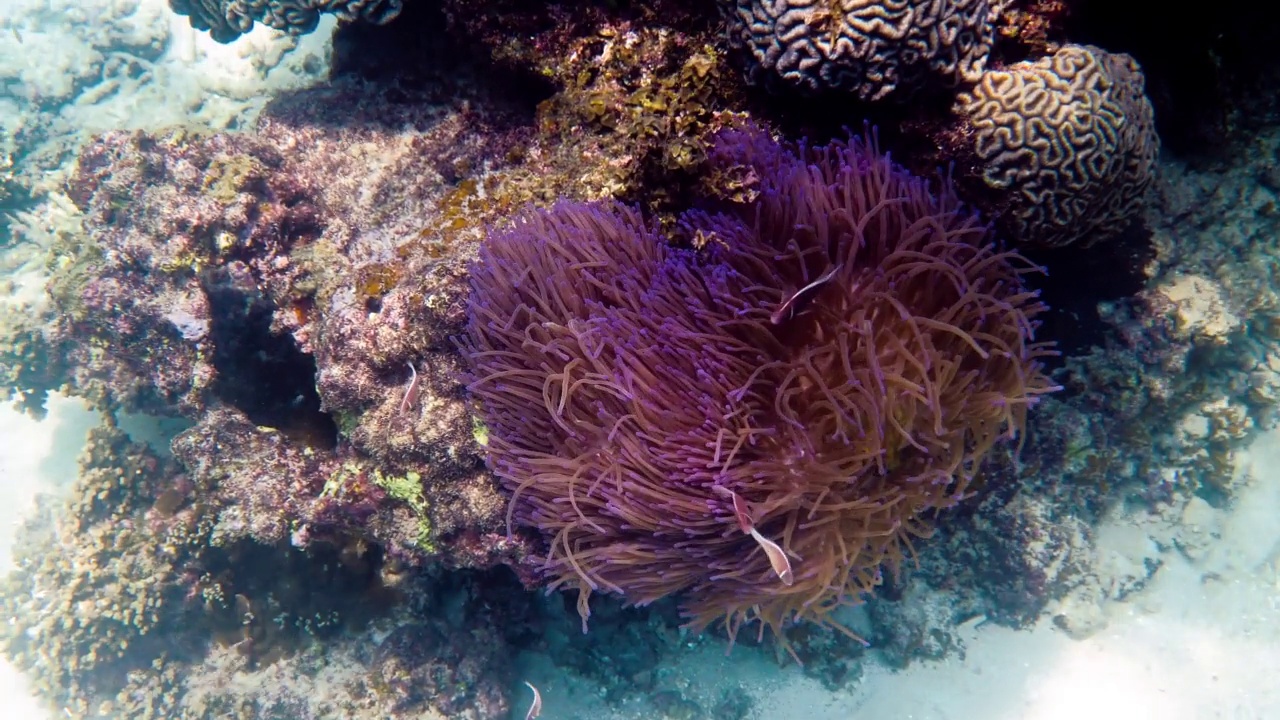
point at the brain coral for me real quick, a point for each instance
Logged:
(227, 20)
(869, 47)
(1072, 139)
(761, 425)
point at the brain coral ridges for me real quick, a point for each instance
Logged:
(1068, 140)
(829, 369)
(872, 48)
(227, 20)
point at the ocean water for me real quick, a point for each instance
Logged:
(1124, 564)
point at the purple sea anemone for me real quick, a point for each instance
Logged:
(763, 424)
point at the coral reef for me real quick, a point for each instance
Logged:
(1031, 28)
(170, 315)
(1188, 372)
(638, 90)
(644, 404)
(1152, 418)
(293, 290)
(439, 656)
(103, 597)
(1057, 141)
(219, 282)
(277, 271)
(199, 287)
(226, 20)
(1031, 549)
(274, 491)
(154, 598)
(1070, 142)
(121, 66)
(871, 49)
(126, 41)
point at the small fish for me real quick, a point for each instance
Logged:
(535, 708)
(740, 509)
(410, 392)
(786, 310)
(778, 559)
(744, 516)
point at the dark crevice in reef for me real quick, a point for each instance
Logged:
(262, 373)
(270, 601)
(414, 47)
(1077, 281)
(1210, 74)
(418, 53)
(621, 651)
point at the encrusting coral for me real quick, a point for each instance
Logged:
(764, 424)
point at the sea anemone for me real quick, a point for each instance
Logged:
(761, 425)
